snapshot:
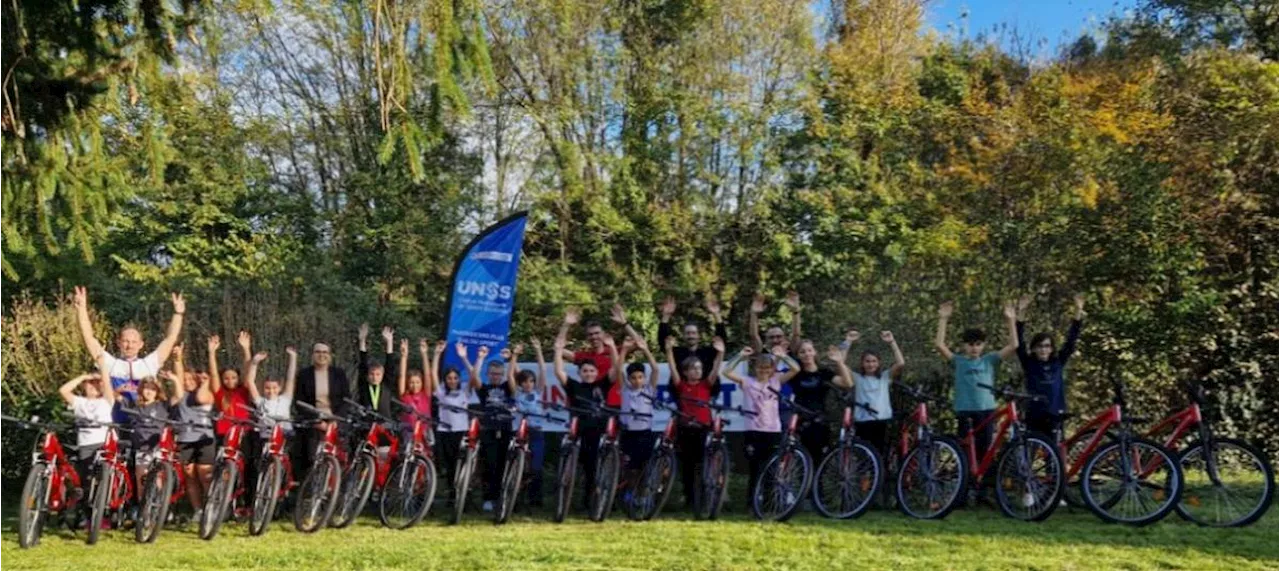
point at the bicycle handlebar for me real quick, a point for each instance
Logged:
(1010, 393)
(792, 404)
(918, 393)
(35, 422)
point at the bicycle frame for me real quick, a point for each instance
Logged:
(274, 447)
(1178, 424)
(110, 456)
(231, 450)
(49, 450)
(382, 468)
(917, 423)
(1006, 415)
(1098, 428)
(421, 441)
(167, 453)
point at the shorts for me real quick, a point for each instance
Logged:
(202, 452)
(637, 445)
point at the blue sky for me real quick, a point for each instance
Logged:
(1048, 23)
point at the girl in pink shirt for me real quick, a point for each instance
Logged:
(414, 388)
(764, 429)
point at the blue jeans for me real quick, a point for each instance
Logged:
(537, 455)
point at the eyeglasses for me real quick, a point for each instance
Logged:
(1044, 346)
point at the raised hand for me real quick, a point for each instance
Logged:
(259, 357)
(423, 345)
(852, 336)
(461, 348)
(404, 346)
(639, 343)
(1010, 311)
(886, 336)
(1079, 301)
(291, 351)
(747, 352)
(669, 343)
(536, 343)
(505, 354)
(363, 332)
(215, 343)
(244, 339)
(179, 304)
(668, 307)
(628, 343)
(483, 352)
(607, 340)
(80, 297)
(944, 310)
(718, 344)
(835, 354)
(388, 334)
(713, 307)
(778, 351)
(572, 315)
(618, 314)
(440, 346)
(1024, 302)
(757, 303)
(518, 349)
(792, 300)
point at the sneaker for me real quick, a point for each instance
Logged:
(195, 516)
(488, 507)
(1028, 499)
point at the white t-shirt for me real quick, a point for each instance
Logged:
(452, 420)
(632, 402)
(125, 373)
(93, 410)
(278, 407)
(874, 392)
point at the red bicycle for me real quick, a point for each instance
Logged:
(369, 466)
(659, 474)
(850, 475)
(162, 486)
(52, 484)
(516, 474)
(411, 488)
(275, 478)
(1126, 480)
(931, 470)
(111, 486)
(1229, 483)
(318, 494)
(1029, 474)
(466, 464)
(228, 479)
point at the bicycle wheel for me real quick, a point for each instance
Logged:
(101, 492)
(1071, 493)
(565, 477)
(1030, 477)
(462, 481)
(511, 477)
(1241, 493)
(1137, 482)
(225, 477)
(31, 514)
(157, 489)
(932, 479)
(357, 484)
(847, 481)
(266, 493)
(654, 486)
(409, 492)
(777, 493)
(318, 495)
(606, 484)
(709, 494)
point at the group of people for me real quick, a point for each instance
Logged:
(607, 375)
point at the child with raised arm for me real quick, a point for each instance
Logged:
(764, 430)
(92, 411)
(275, 404)
(639, 389)
(589, 392)
(871, 387)
(692, 387)
(413, 387)
(1043, 366)
(527, 386)
(974, 367)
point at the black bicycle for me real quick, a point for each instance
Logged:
(851, 473)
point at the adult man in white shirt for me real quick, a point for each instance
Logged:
(128, 368)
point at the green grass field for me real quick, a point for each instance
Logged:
(969, 539)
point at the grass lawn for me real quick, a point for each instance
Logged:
(968, 539)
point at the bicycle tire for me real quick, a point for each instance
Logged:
(217, 505)
(318, 495)
(709, 494)
(357, 484)
(98, 499)
(654, 486)
(266, 494)
(403, 485)
(1191, 499)
(31, 514)
(565, 478)
(461, 482)
(511, 477)
(606, 484)
(1169, 491)
(845, 466)
(771, 485)
(157, 490)
(934, 472)
(1032, 486)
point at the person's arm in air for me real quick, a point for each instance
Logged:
(291, 373)
(203, 394)
(245, 341)
(175, 329)
(215, 379)
(730, 370)
(571, 317)
(615, 359)
(793, 368)
(362, 362)
(1073, 333)
(940, 340)
(436, 355)
(542, 365)
(389, 341)
(648, 355)
(793, 301)
(558, 350)
(899, 361)
(669, 345)
(1023, 303)
(1011, 319)
(177, 375)
(717, 325)
(753, 321)
(667, 309)
(68, 389)
(717, 344)
(81, 301)
(513, 364)
(251, 375)
(473, 374)
(403, 368)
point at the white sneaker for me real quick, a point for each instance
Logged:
(488, 506)
(196, 516)
(1028, 500)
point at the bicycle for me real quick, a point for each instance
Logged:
(788, 474)
(850, 474)
(110, 465)
(411, 487)
(318, 494)
(708, 495)
(1028, 471)
(368, 469)
(567, 465)
(1130, 479)
(164, 482)
(466, 465)
(275, 478)
(933, 472)
(659, 474)
(52, 484)
(515, 475)
(228, 483)
(1228, 482)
